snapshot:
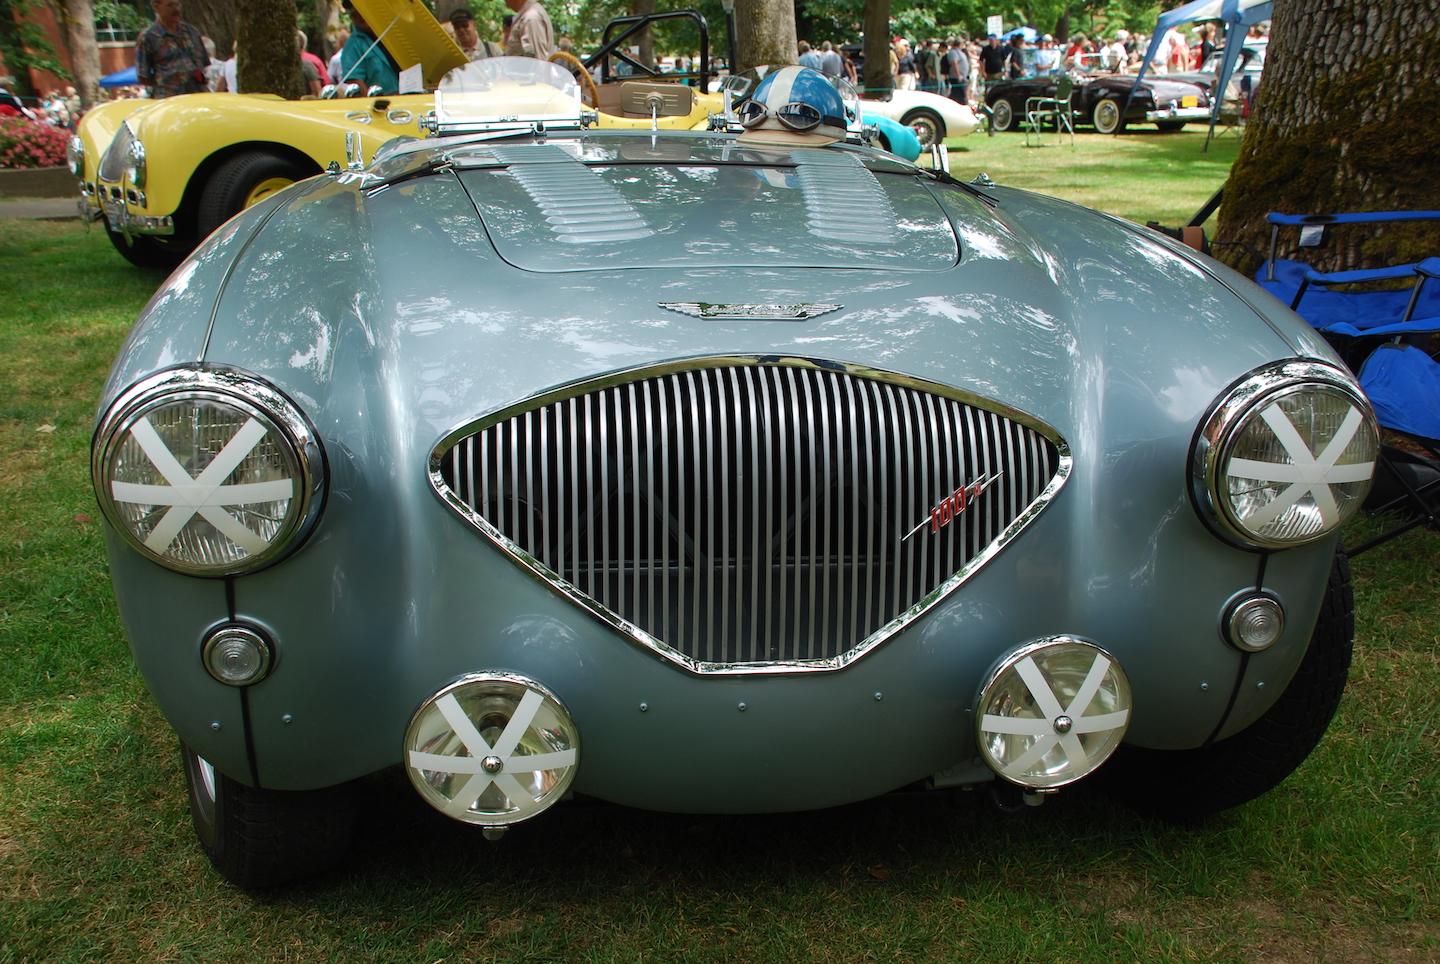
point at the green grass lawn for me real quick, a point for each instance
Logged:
(97, 860)
(1144, 176)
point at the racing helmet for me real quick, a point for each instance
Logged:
(793, 107)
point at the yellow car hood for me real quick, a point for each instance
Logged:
(413, 36)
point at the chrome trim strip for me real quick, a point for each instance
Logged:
(882, 382)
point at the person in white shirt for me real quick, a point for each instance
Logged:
(334, 65)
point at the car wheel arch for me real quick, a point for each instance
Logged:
(186, 216)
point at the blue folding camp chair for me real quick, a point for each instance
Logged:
(1376, 331)
(1403, 384)
(1352, 313)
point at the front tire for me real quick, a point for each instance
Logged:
(259, 838)
(1188, 785)
(1002, 115)
(1108, 116)
(928, 126)
(242, 180)
(144, 252)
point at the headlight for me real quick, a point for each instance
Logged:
(208, 472)
(1286, 456)
(75, 155)
(135, 164)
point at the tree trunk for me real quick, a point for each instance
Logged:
(269, 62)
(766, 31)
(216, 20)
(1344, 121)
(327, 15)
(79, 18)
(877, 47)
(639, 8)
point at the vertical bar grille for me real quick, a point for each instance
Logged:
(752, 514)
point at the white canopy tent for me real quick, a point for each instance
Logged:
(1234, 14)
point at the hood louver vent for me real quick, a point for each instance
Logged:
(577, 203)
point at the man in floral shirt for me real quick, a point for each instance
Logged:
(170, 55)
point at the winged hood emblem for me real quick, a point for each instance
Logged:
(750, 312)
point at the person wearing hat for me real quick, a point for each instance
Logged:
(462, 21)
(792, 107)
(363, 60)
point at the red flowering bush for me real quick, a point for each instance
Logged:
(26, 143)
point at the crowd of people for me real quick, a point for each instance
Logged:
(173, 57)
(960, 68)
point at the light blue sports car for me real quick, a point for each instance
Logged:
(533, 461)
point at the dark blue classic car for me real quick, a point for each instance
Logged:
(1107, 102)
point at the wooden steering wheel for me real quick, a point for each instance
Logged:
(589, 93)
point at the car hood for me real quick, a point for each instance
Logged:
(391, 316)
(585, 206)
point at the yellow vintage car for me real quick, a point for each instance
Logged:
(161, 175)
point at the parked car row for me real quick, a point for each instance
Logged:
(1107, 102)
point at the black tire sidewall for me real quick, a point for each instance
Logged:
(1009, 114)
(230, 184)
(145, 252)
(930, 117)
(1119, 112)
(1188, 785)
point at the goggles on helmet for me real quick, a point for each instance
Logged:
(797, 116)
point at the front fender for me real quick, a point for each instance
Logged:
(183, 133)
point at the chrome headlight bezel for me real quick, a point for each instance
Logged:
(249, 396)
(135, 166)
(75, 155)
(1220, 429)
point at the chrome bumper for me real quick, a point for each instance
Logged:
(1178, 113)
(123, 222)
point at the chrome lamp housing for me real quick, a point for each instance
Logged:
(1285, 457)
(208, 472)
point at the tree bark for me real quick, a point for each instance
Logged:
(877, 47)
(766, 30)
(1345, 120)
(269, 62)
(79, 19)
(639, 8)
(216, 20)
(327, 15)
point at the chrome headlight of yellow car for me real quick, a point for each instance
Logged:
(135, 164)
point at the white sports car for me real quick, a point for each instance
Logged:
(932, 117)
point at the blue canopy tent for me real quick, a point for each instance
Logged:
(121, 78)
(1237, 15)
(1029, 33)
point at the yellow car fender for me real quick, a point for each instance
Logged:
(187, 138)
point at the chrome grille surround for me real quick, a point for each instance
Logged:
(1042, 473)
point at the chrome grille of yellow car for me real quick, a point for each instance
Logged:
(743, 515)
